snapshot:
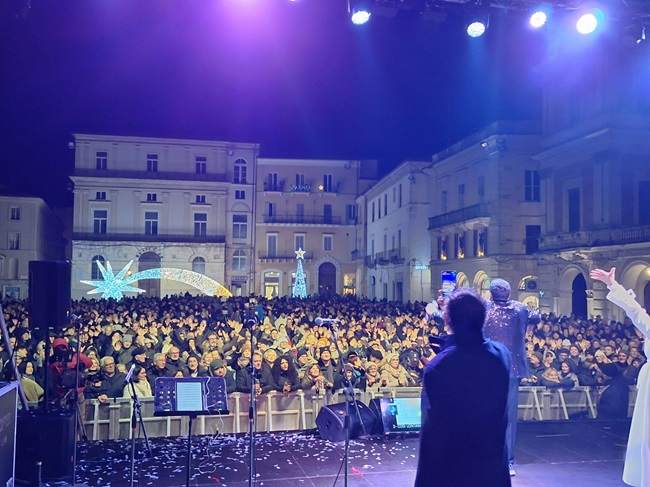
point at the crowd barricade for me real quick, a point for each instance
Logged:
(277, 411)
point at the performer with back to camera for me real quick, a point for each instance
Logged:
(464, 399)
(636, 471)
(507, 322)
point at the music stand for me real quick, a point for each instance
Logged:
(191, 397)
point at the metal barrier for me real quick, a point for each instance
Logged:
(278, 411)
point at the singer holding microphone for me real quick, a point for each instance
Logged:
(140, 382)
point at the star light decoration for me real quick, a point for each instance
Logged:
(113, 286)
(299, 286)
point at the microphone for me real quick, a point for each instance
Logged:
(129, 374)
(326, 321)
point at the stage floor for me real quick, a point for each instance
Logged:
(576, 453)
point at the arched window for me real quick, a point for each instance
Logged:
(240, 171)
(95, 273)
(239, 260)
(198, 265)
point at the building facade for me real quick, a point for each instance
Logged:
(308, 205)
(30, 231)
(163, 203)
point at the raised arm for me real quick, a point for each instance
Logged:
(608, 277)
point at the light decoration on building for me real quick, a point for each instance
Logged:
(113, 286)
(299, 287)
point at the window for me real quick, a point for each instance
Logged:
(14, 241)
(373, 212)
(328, 242)
(351, 214)
(240, 172)
(399, 195)
(532, 238)
(327, 213)
(272, 244)
(573, 197)
(152, 162)
(443, 202)
(100, 220)
(101, 160)
(198, 265)
(461, 196)
(531, 186)
(14, 213)
(200, 198)
(239, 226)
(151, 197)
(459, 245)
(644, 202)
(200, 224)
(300, 180)
(379, 208)
(327, 183)
(442, 248)
(299, 241)
(385, 204)
(300, 212)
(480, 242)
(272, 182)
(201, 164)
(151, 223)
(271, 209)
(95, 273)
(394, 194)
(481, 188)
(100, 195)
(239, 260)
(240, 194)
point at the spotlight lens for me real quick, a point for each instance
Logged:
(360, 17)
(587, 23)
(538, 19)
(476, 29)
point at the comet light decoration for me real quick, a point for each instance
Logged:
(114, 285)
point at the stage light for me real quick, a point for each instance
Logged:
(538, 19)
(359, 11)
(588, 22)
(476, 25)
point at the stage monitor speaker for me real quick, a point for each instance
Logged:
(49, 293)
(331, 421)
(46, 437)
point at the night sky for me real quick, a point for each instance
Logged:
(296, 77)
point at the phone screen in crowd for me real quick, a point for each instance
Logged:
(448, 282)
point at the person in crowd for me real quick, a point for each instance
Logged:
(285, 375)
(174, 361)
(464, 404)
(194, 369)
(112, 380)
(219, 369)
(160, 367)
(314, 380)
(124, 353)
(327, 367)
(636, 470)
(394, 374)
(566, 373)
(140, 382)
(374, 382)
(263, 376)
(551, 378)
(507, 322)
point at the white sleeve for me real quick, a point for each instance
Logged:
(626, 300)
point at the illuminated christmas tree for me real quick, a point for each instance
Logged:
(299, 286)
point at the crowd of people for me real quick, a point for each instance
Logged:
(382, 344)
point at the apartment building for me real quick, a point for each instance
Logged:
(310, 205)
(163, 203)
(30, 231)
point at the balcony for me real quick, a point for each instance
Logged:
(158, 175)
(594, 238)
(139, 237)
(371, 262)
(277, 186)
(459, 216)
(277, 256)
(303, 219)
(356, 255)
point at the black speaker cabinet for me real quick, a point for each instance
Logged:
(49, 293)
(331, 421)
(46, 437)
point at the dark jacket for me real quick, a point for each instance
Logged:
(464, 416)
(264, 376)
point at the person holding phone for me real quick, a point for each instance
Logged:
(508, 322)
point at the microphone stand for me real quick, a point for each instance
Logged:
(252, 409)
(136, 415)
(348, 392)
